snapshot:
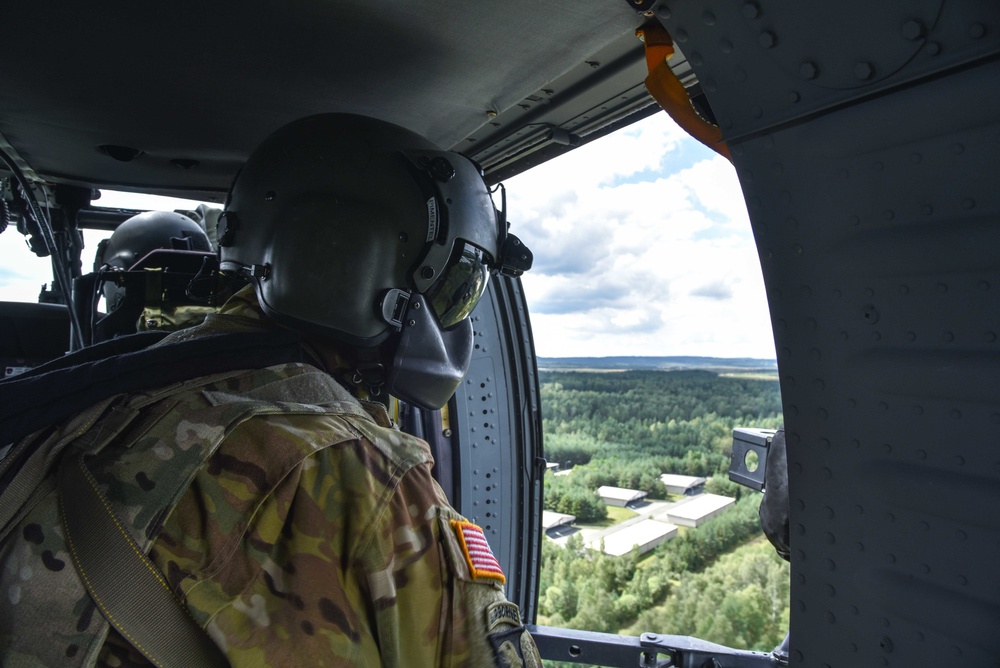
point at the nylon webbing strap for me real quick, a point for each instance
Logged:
(126, 586)
(670, 93)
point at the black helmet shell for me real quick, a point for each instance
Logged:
(141, 234)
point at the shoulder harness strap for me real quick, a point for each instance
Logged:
(110, 553)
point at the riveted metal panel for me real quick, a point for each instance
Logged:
(487, 460)
(498, 427)
(865, 136)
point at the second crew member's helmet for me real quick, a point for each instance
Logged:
(359, 231)
(142, 234)
(145, 232)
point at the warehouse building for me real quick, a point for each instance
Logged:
(645, 535)
(617, 496)
(552, 520)
(686, 485)
(699, 510)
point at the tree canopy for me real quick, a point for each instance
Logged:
(719, 582)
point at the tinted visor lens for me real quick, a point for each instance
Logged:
(458, 291)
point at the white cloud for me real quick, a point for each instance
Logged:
(642, 246)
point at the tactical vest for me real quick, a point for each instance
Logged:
(139, 453)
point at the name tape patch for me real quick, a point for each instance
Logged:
(503, 614)
(479, 556)
(433, 220)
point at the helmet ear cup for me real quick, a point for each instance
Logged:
(429, 362)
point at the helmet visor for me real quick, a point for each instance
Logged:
(456, 293)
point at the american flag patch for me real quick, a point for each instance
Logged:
(479, 556)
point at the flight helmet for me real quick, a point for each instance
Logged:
(139, 236)
(361, 232)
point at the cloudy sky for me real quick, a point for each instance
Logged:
(642, 246)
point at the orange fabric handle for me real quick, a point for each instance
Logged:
(670, 93)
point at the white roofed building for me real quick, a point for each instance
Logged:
(617, 496)
(646, 534)
(687, 485)
(552, 520)
(699, 510)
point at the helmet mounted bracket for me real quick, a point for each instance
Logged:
(515, 258)
(394, 306)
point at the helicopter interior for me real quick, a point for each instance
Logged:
(864, 136)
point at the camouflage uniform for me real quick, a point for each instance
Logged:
(164, 317)
(314, 535)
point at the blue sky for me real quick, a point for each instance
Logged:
(642, 246)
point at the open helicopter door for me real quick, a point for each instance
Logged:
(487, 442)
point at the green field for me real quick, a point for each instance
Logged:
(615, 516)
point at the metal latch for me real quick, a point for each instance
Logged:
(749, 458)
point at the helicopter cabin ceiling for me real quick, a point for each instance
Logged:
(171, 97)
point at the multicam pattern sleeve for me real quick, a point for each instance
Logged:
(323, 540)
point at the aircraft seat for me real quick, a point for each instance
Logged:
(31, 334)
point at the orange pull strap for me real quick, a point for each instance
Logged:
(670, 93)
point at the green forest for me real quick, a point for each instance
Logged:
(720, 581)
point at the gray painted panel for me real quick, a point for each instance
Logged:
(875, 205)
(497, 424)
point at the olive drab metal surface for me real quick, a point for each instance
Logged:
(865, 136)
